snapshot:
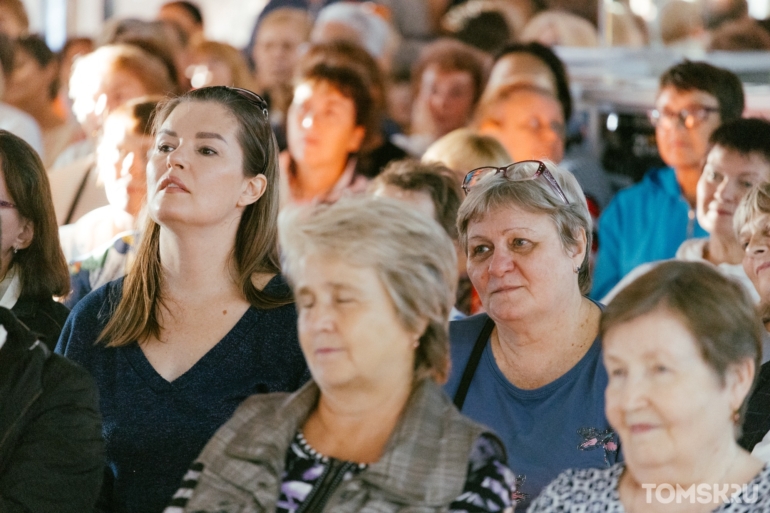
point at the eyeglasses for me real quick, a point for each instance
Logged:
(688, 118)
(6, 204)
(252, 97)
(516, 172)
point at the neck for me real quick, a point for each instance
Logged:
(317, 181)
(354, 422)
(688, 181)
(723, 250)
(197, 261)
(532, 351)
(713, 466)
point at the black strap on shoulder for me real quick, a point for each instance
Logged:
(473, 363)
(76, 199)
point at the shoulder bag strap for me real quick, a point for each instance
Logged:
(473, 363)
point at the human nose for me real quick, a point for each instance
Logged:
(320, 318)
(633, 392)
(757, 246)
(500, 263)
(726, 191)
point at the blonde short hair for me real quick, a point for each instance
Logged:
(463, 150)
(412, 255)
(496, 191)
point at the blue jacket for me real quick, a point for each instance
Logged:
(643, 223)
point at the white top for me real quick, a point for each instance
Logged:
(93, 230)
(10, 290)
(22, 124)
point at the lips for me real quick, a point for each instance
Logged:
(638, 429)
(170, 183)
(762, 267)
(504, 288)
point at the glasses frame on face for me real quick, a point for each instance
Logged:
(689, 118)
(479, 173)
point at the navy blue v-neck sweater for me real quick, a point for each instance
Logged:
(153, 428)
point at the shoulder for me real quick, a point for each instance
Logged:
(466, 330)
(587, 488)
(88, 318)
(43, 316)
(651, 185)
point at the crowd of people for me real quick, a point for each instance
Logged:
(364, 265)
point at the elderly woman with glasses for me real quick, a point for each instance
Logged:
(531, 367)
(372, 432)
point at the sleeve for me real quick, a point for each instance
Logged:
(490, 484)
(58, 463)
(607, 271)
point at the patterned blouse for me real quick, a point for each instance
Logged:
(596, 490)
(310, 478)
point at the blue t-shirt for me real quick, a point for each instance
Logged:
(153, 428)
(545, 431)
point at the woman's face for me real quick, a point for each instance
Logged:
(115, 87)
(195, 172)
(349, 330)
(321, 126)
(726, 178)
(275, 53)
(518, 265)
(17, 232)
(29, 84)
(122, 162)
(448, 96)
(209, 70)
(754, 237)
(663, 399)
(529, 124)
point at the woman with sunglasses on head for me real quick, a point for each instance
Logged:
(202, 320)
(530, 367)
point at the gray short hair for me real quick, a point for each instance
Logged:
(493, 192)
(412, 255)
(375, 34)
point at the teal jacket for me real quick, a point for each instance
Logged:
(644, 223)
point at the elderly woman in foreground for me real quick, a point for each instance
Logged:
(681, 346)
(530, 367)
(374, 283)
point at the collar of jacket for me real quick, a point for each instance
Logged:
(424, 463)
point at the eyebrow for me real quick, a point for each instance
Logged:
(199, 135)
(210, 135)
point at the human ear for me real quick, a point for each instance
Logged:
(739, 378)
(356, 139)
(253, 189)
(27, 233)
(578, 251)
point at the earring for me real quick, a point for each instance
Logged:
(15, 250)
(577, 269)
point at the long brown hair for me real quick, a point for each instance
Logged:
(256, 250)
(42, 267)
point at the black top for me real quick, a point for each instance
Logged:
(44, 317)
(154, 428)
(757, 421)
(51, 447)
